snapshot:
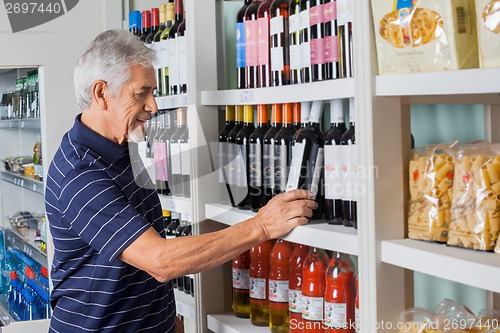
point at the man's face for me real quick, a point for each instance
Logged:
(132, 106)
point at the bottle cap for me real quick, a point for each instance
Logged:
(13, 275)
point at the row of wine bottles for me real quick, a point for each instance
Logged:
(24, 102)
(280, 42)
(165, 32)
(293, 288)
(179, 225)
(259, 162)
(167, 140)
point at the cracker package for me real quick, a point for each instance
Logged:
(488, 29)
(475, 208)
(425, 35)
(431, 191)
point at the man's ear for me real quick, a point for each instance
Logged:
(100, 93)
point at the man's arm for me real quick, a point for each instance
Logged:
(166, 259)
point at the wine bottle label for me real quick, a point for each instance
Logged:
(294, 23)
(268, 166)
(336, 315)
(316, 175)
(316, 16)
(251, 30)
(295, 301)
(185, 159)
(295, 166)
(304, 19)
(175, 157)
(257, 288)
(241, 278)
(330, 12)
(354, 172)
(240, 45)
(160, 158)
(183, 62)
(305, 54)
(223, 160)
(276, 25)
(241, 171)
(330, 48)
(278, 291)
(263, 40)
(280, 167)
(344, 12)
(164, 55)
(345, 165)
(312, 308)
(333, 172)
(277, 58)
(317, 51)
(295, 59)
(255, 158)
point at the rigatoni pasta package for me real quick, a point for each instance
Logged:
(431, 191)
(475, 208)
(425, 35)
(488, 28)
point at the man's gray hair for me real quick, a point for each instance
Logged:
(109, 58)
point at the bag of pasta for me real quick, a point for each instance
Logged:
(454, 317)
(431, 186)
(417, 320)
(488, 30)
(475, 208)
(425, 35)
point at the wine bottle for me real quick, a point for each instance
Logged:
(174, 50)
(133, 26)
(182, 56)
(296, 116)
(178, 233)
(357, 313)
(232, 153)
(146, 25)
(331, 42)
(268, 157)
(155, 25)
(283, 150)
(348, 142)
(167, 219)
(263, 44)
(165, 137)
(175, 153)
(333, 157)
(164, 82)
(251, 48)
(305, 111)
(344, 32)
(226, 196)
(280, 43)
(294, 41)
(279, 273)
(185, 163)
(241, 284)
(171, 233)
(305, 42)
(240, 46)
(256, 160)
(242, 197)
(317, 47)
(163, 23)
(160, 155)
(306, 169)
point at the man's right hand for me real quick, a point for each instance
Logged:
(285, 212)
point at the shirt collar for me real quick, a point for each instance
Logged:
(109, 150)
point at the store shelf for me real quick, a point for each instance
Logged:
(228, 323)
(22, 181)
(172, 102)
(5, 316)
(27, 124)
(446, 87)
(30, 248)
(185, 304)
(324, 90)
(177, 204)
(475, 268)
(319, 234)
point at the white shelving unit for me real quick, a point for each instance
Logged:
(227, 323)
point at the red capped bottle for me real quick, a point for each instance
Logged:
(241, 284)
(259, 283)
(295, 287)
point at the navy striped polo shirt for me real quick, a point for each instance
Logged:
(95, 209)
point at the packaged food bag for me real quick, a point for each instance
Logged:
(417, 320)
(425, 35)
(475, 207)
(431, 190)
(488, 29)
